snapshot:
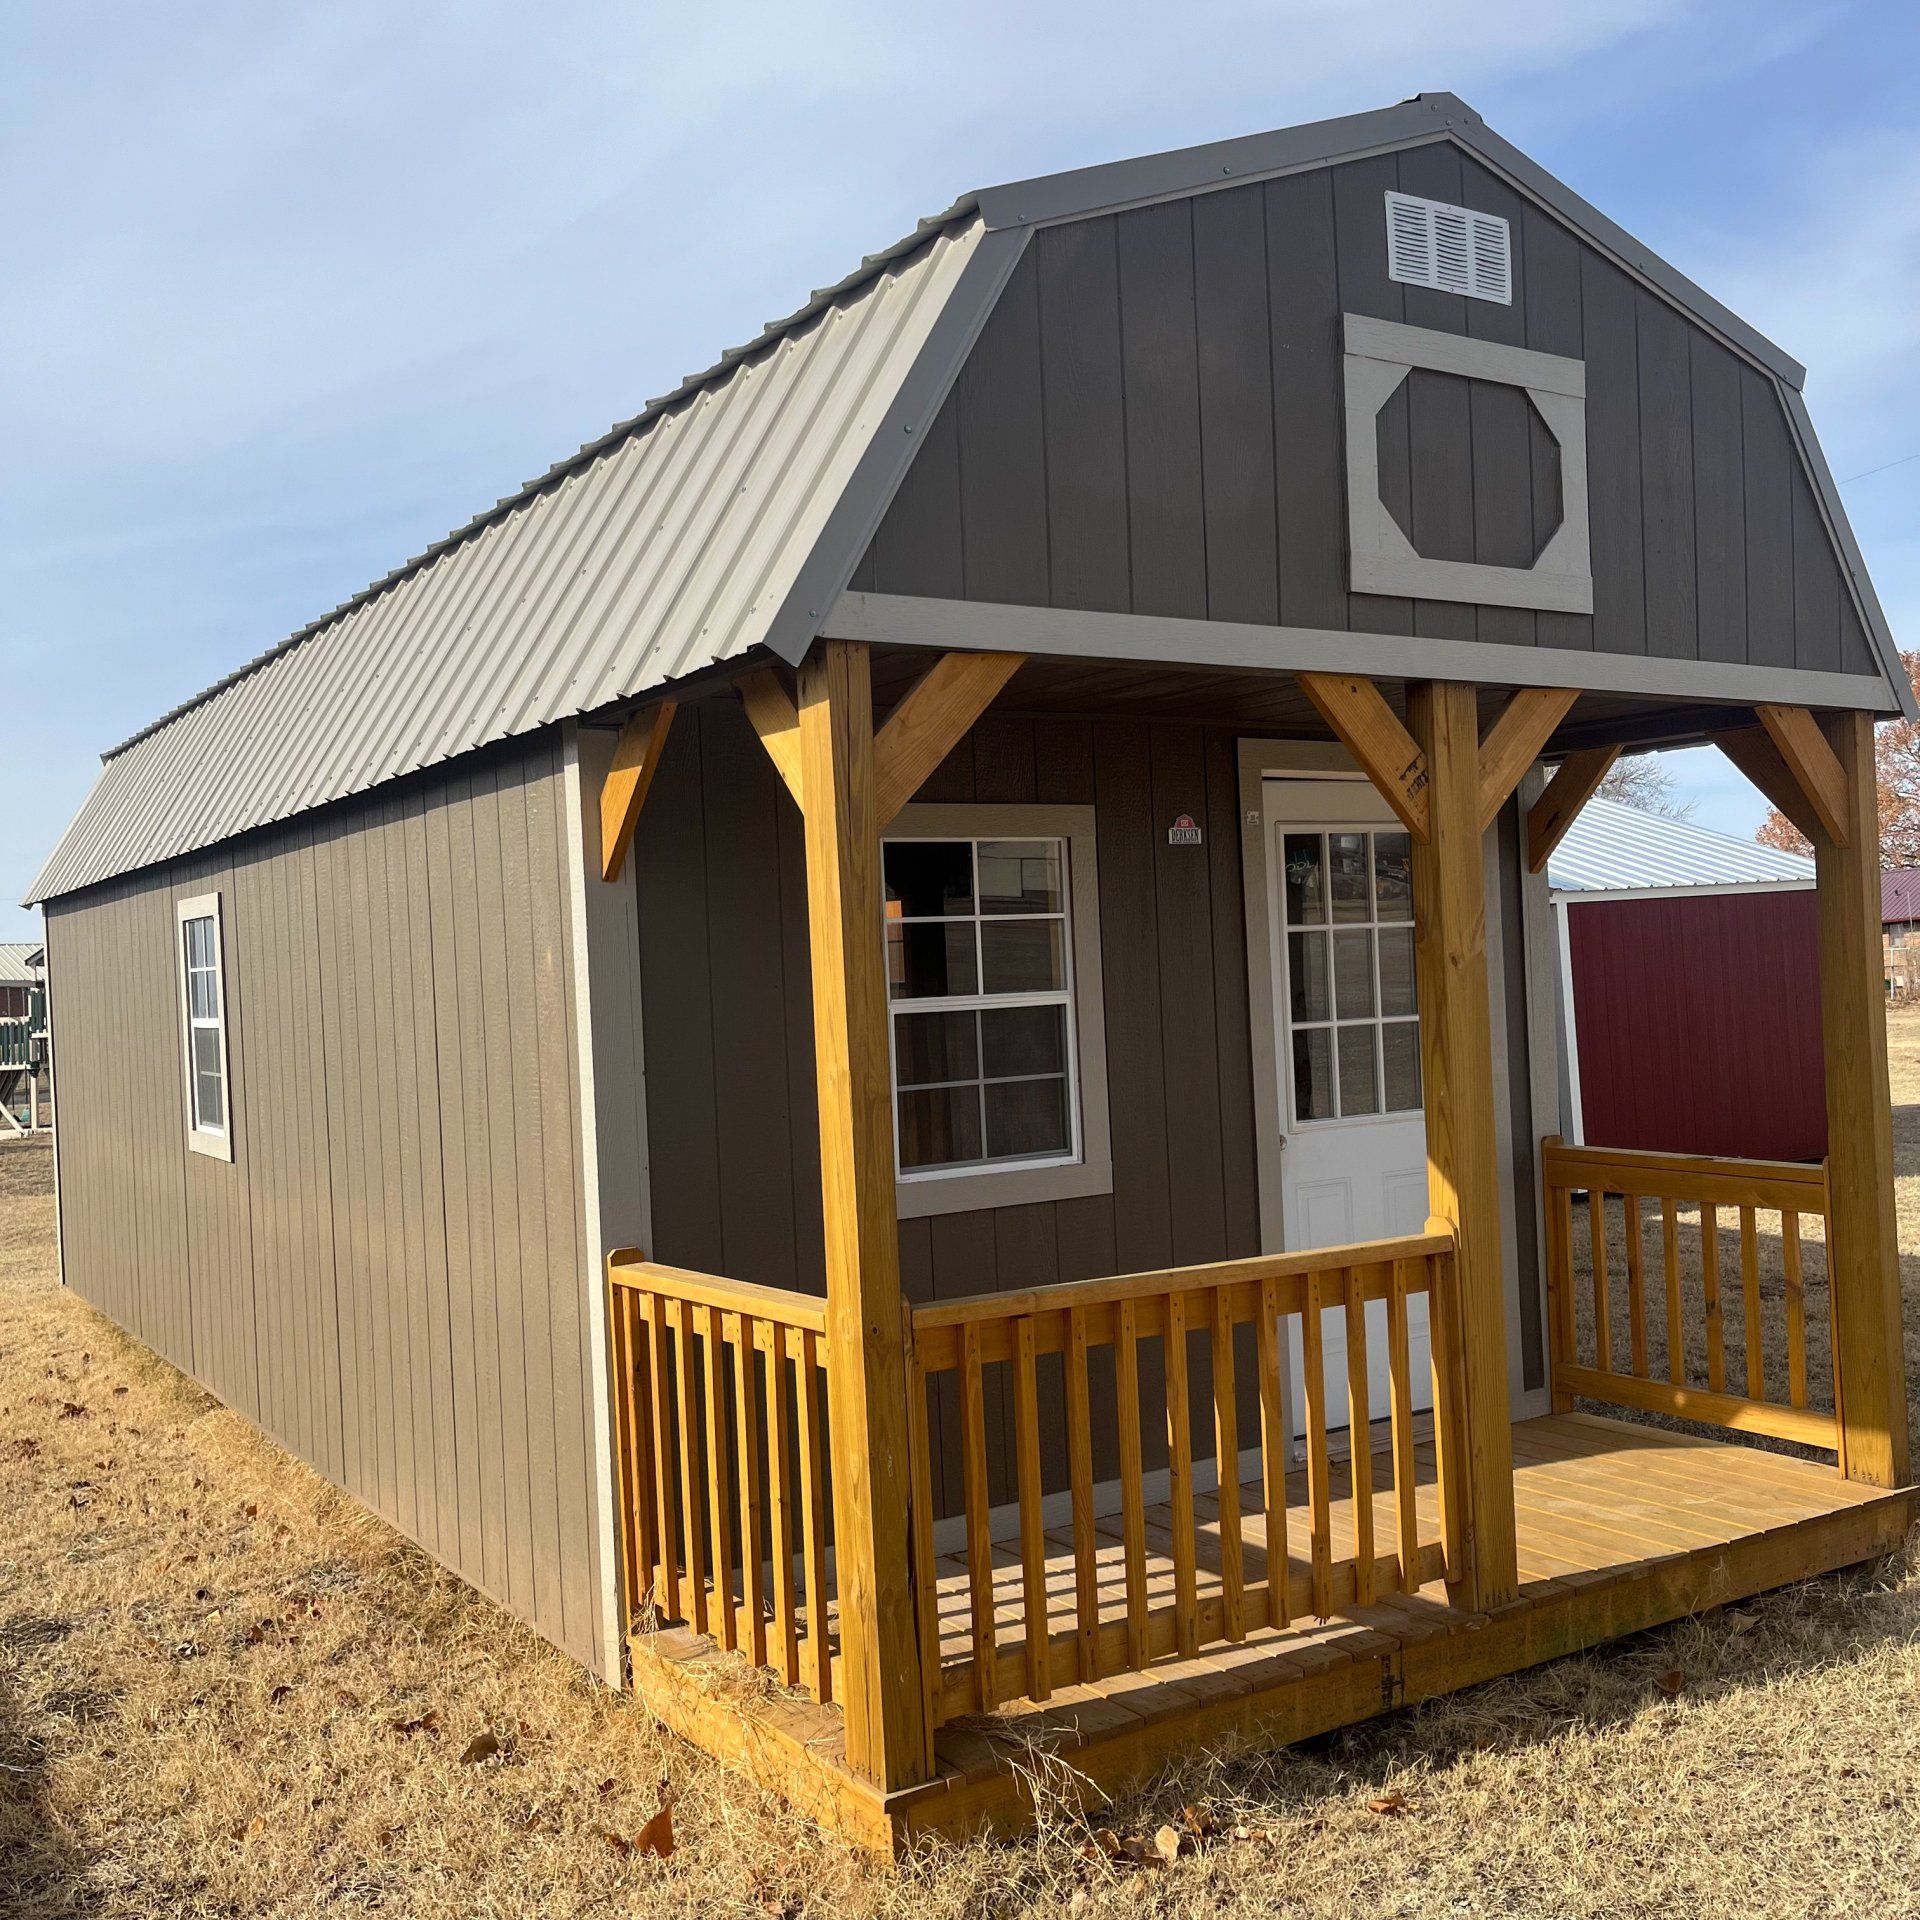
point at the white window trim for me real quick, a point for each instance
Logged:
(921, 1195)
(215, 1142)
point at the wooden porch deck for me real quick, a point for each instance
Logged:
(1621, 1527)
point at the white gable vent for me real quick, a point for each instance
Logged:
(1453, 249)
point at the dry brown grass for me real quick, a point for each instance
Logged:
(206, 1654)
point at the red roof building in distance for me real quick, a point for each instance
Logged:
(1900, 901)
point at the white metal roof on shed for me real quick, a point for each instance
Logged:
(14, 955)
(1613, 848)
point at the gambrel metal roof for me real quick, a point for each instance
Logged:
(728, 515)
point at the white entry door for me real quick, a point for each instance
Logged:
(1354, 1157)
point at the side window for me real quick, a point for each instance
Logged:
(995, 1021)
(203, 1015)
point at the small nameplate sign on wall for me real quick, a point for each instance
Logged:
(1183, 832)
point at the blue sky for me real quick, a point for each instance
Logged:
(292, 290)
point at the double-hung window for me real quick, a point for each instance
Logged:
(998, 1079)
(203, 1011)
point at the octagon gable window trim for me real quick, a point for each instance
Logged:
(1379, 356)
(1060, 940)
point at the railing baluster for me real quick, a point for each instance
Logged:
(1562, 1334)
(1710, 1288)
(1033, 1529)
(1133, 1518)
(690, 1491)
(627, 1386)
(1636, 1285)
(1226, 1455)
(1602, 1284)
(746, 1407)
(1670, 1256)
(1406, 1499)
(1796, 1310)
(1086, 1571)
(1319, 1494)
(659, 1361)
(779, 1501)
(973, 1418)
(1180, 1476)
(926, 1580)
(719, 1480)
(813, 1514)
(1359, 1437)
(1275, 1444)
(1750, 1305)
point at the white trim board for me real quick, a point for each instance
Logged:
(991, 626)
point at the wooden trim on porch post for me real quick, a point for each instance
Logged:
(886, 1731)
(1816, 771)
(1463, 1176)
(1514, 742)
(636, 759)
(1368, 728)
(773, 716)
(1574, 783)
(1751, 749)
(1863, 1253)
(929, 721)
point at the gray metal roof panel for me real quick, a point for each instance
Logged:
(670, 548)
(1613, 848)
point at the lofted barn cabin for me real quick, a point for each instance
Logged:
(899, 1027)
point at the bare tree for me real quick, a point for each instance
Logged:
(1643, 782)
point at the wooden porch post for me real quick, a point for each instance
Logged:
(1463, 1181)
(866, 1334)
(1863, 1254)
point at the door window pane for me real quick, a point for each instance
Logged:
(1305, 879)
(931, 959)
(1307, 976)
(1400, 1061)
(1023, 956)
(939, 1126)
(1396, 970)
(1353, 973)
(1347, 873)
(1358, 1093)
(932, 1047)
(1313, 1073)
(1393, 876)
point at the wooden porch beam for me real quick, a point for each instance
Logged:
(927, 725)
(888, 1738)
(776, 720)
(636, 759)
(1751, 749)
(1514, 742)
(1863, 1250)
(1796, 736)
(1572, 786)
(1463, 1165)
(1368, 728)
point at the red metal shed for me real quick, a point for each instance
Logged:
(1689, 990)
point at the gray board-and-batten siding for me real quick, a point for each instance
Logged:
(392, 1277)
(1151, 424)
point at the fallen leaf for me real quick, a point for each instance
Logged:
(1394, 1802)
(1742, 1622)
(1109, 1843)
(621, 1846)
(429, 1722)
(1199, 1822)
(1671, 1682)
(278, 1694)
(483, 1746)
(656, 1837)
(72, 1410)
(118, 1391)
(607, 1786)
(1170, 1843)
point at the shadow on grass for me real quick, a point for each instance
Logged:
(43, 1876)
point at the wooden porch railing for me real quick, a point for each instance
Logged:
(967, 1338)
(721, 1428)
(1586, 1362)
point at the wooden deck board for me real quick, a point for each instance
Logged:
(1620, 1526)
